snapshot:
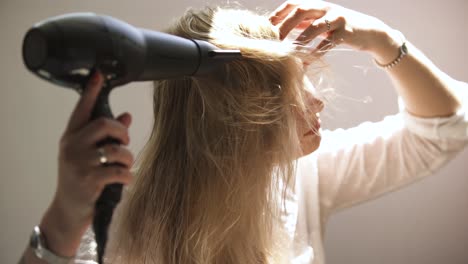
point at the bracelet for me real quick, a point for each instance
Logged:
(403, 51)
(38, 245)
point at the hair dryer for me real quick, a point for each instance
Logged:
(67, 49)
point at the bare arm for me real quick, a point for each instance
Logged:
(425, 89)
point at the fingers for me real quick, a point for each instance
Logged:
(325, 46)
(297, 17)
(117, 168)
(114, 154)
(102, 128)
(125, 119)
(317, 28)
(330, 28)
(82, 112)
(112, 174)
(281, 12)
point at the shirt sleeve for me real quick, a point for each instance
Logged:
(364, 162)
(87, 253)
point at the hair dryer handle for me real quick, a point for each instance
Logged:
(111, 195)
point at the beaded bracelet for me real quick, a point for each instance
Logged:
(403, 53)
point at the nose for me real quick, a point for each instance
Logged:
(316, 105)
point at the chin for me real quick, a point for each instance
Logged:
(310, 144)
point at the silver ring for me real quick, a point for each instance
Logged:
(102, 156)
(328, 24)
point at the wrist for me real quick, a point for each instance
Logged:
(387, 46)
(62, 233)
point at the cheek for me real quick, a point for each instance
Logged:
(301, 123)
(306, 123)
(308, 143)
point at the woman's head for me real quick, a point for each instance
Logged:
(260, 91)
(221, 150)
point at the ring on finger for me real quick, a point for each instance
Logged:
(328, 24)
(102, 156)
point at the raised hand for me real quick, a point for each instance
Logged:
(337, 24)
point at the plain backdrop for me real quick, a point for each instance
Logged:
(423, 223)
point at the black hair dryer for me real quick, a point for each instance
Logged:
(67, 49)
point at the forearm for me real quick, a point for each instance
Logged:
(425, 89)
(62, 231)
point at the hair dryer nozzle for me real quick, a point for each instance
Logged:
(170, 56)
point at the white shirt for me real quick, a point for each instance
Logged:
(356, 165)
(362, 163)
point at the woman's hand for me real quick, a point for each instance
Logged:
(425, 89)
(338, 25)
(81, 177)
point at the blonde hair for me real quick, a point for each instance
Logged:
(222, 149)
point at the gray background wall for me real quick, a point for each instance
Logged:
(423, 223)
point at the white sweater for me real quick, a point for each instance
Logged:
(356, 165)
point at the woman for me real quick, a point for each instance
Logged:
(233, 172)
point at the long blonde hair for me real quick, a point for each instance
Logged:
(221, 150)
